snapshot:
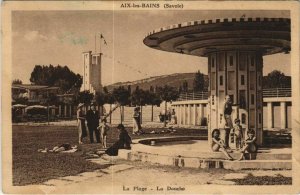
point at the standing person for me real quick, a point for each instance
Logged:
(227, 110)
(238, 134)
(104, 128)
(137, 121)
(92, 117)
(123, 142)
(173, 117)
(81, 123)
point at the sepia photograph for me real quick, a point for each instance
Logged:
(150, 97)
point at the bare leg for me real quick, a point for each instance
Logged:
(104, 139)
(226, 154)
(243, 151)
(79, 134)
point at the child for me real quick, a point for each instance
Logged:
(104, 128)
(249, 144)
(218, 144)
(238, 134)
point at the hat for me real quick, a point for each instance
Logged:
(120, 126)
(80, 105)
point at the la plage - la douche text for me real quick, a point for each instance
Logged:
(156, 188)
(152, 5)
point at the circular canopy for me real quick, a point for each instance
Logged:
(265, 35)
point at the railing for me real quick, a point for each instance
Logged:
(203, 95)
(277, 92)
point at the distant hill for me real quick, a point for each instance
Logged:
(174, 80)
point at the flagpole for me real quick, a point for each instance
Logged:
(95, 43)
(100, 42)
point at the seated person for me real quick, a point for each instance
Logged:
(123, 142)
(249, 144)
(65, 148)
(218, 144)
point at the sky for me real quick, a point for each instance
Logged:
(60, 37)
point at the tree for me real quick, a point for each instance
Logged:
(199, 82)
(154, 100)
(276, 79)
(121, 96)
(185, 86)
(139, 97)
(109, 99)
(167, 94)
(59, 76)
(17, 82)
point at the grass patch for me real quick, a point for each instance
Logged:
(32, 167)
(264, 180)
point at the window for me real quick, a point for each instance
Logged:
(259, 118)
(252, 61)
(221, 80)
(232, 98)
(252, 99)
(242, 79)
(243, 118)
(212, 62)
(231, 60)
(212, 100)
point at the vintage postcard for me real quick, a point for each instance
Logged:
(150, 97)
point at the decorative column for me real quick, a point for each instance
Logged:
(65, 111)
(283, 115)
(201, 112)
(70, 111)
(270, 115)
(189, 116)
(195, 115)
(59, 110)
(184, 115)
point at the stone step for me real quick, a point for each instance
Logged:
(199, 162)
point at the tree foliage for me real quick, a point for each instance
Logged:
(17, 82)
(85, 97)
(121, 96)
(276, 79)
(199, 83)
(139, 97)
(60, 76)
(168, 93)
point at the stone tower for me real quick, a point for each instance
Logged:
(91, 72)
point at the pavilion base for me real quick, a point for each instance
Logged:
(197, 154)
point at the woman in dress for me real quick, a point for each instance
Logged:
(81, 123)
(136, 121)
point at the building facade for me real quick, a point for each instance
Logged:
(91, 72)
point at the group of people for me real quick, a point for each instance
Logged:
(236, 132)
(94, 124)
(100, 127)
